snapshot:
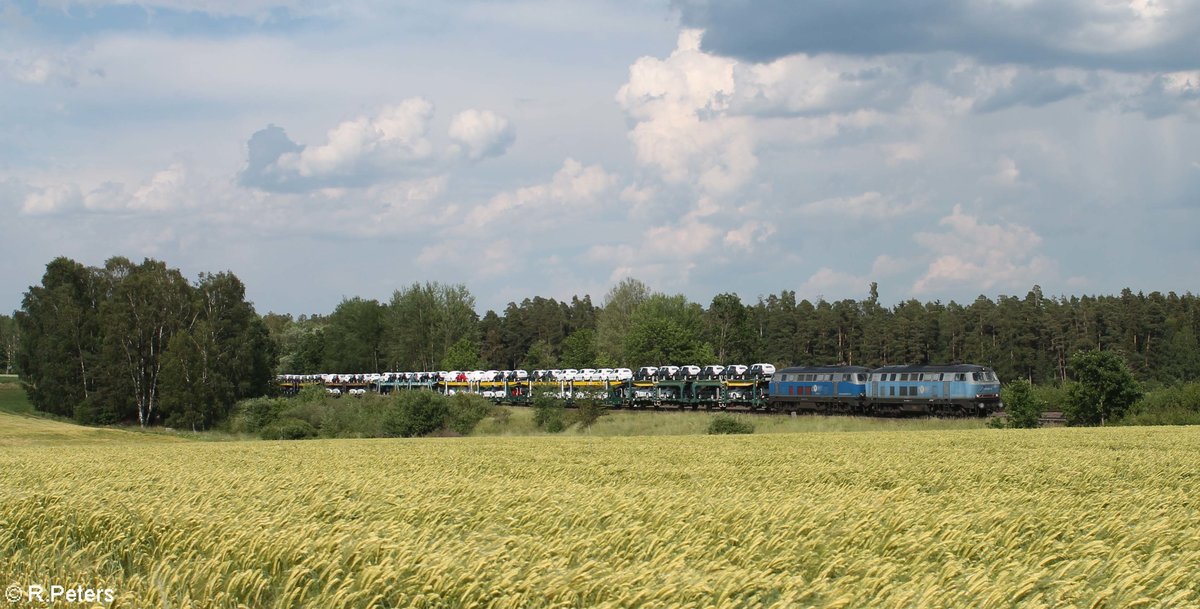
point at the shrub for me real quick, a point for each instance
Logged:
(312, 393)
(465, 411)
(288, 428)
(416, 413)
(251, 416)
(1179, 405)
(361, 417)
(549, 413)
(727, 424)
(1053, 397)
(589, 411)
(1023, 405)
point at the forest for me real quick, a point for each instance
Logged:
(139, 343)
(433, 326)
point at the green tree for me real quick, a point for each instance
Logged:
(225, 354)
(424, 321)
(616, 318)
(727, 325)
(59, 337)
(244, 354)
(195, 394)
(1103, 388)
(539, 357)
(579, 349)
(354, 338)
(1022, 404)
(95, 343)
(463, 355)
(147, 305)
(666, 330)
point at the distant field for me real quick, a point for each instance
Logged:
(908, 518)
(24, 430)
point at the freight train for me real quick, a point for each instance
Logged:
(920, 390)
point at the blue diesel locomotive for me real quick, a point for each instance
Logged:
(944, 390)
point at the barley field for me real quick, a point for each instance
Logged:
(967, 518)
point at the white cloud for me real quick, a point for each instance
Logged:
(746, 236)
(868, 205)
(54, 199)
(832, 284)
(395, 136)
(829, 284)
(1007, 172)
(481, 133)
(886, 266)
(166, 190)
(683, 129)
(40, 69)
(491, 257)
(976, 254)
(575, 190)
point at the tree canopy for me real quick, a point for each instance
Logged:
(137, 342)
(1102, 390)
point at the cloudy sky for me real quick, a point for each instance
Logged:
(943, 148)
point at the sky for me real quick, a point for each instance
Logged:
(942, 148)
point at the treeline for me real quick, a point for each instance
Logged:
(137, 342)
(434, 326)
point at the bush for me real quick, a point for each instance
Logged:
(1022, 404)
(288, 429)
(1179, 405)
(312, 393)
(416, 413)
(549, 413)
(251, 416)
(589, 411)
(465, 411)
(361, 417)
(727, 424)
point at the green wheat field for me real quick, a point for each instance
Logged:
(899, 518)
